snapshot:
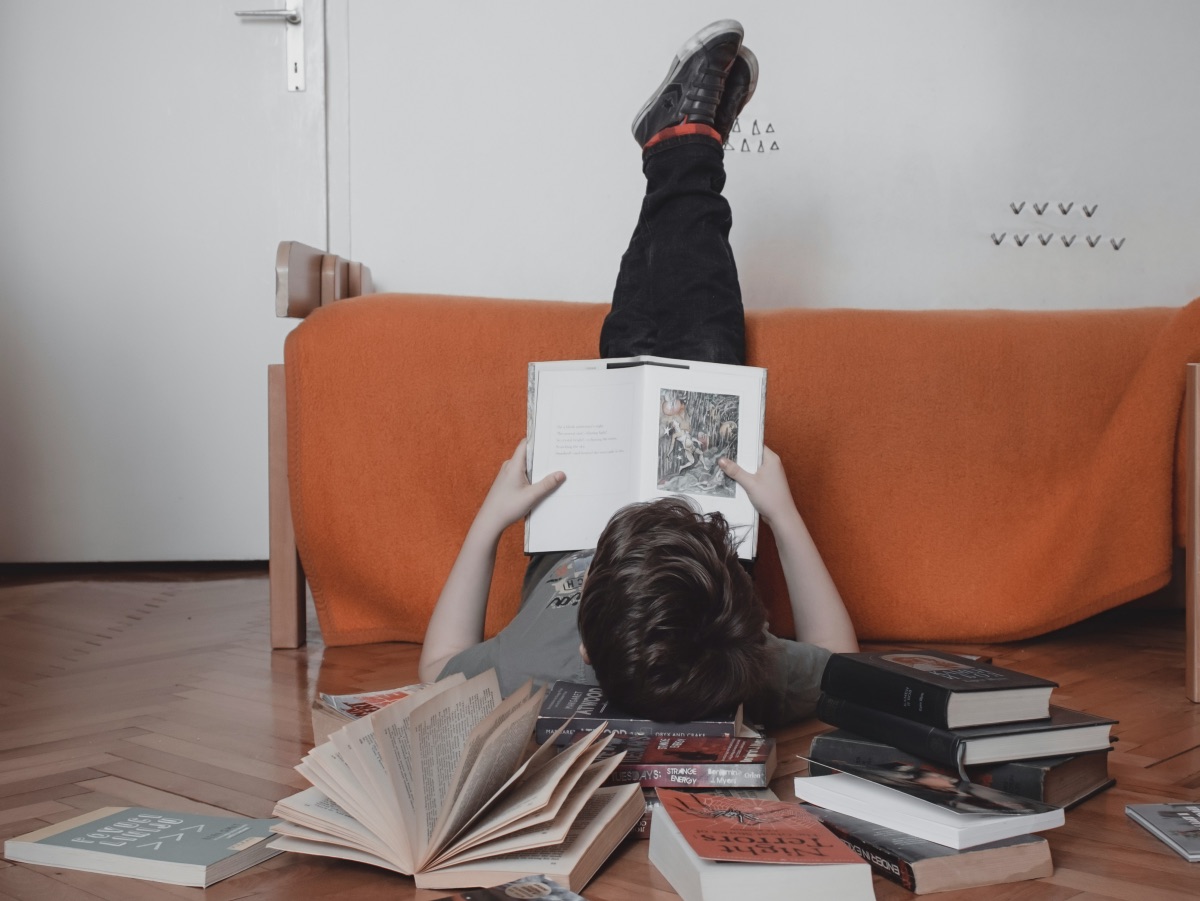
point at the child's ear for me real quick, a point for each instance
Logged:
(584, 654)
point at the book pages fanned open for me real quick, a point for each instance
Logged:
(635, 429)
(449, 782)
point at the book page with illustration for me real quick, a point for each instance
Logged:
(636, 429)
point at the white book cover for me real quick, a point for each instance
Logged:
(635, 429)
(955, 814)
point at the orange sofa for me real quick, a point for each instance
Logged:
(968, 476)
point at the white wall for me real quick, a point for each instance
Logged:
(484, 148)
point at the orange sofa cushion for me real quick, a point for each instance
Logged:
(967, 475)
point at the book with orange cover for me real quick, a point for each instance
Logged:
(713, 847)
(752, 830)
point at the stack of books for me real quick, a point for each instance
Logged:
(714, 825)
(720, 754)
(943, 767)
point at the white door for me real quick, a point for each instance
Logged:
(151, 158)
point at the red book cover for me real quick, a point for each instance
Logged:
(750, 830)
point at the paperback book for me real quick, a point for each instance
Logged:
(442, 785)
(527, 887)
(330, 712)
(1062, 732)
(936, 688)
(143, 843)
(692, 762)
(928, 804)
(1176, 825)
(711, 847)
(1062, 781)
(642, 829)
(638, 428)
(573, 707)
(923, 867)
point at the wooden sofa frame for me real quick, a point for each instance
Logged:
(307, 278)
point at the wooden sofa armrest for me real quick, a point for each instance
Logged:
(305, 279)
(1192, 537)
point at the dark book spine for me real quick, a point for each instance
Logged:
(936, 745)
(1015, 777)
(547, 725)
(884, 690)
(882, 860)
(692, 775)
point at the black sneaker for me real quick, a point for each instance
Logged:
(739, 88)
(695, 81)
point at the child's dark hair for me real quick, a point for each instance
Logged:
(668, 615)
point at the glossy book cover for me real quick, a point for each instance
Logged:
(751, 830)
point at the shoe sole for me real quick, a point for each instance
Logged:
(690, 46)
(752, 61)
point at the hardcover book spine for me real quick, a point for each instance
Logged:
(889, 692)
(935, 745)
(882, 860)
(696, 775)
(1015, 777)
(547, 725)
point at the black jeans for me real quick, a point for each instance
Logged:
(677, 292)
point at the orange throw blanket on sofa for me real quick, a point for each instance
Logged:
(972, 476)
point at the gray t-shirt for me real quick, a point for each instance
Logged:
(542, 644)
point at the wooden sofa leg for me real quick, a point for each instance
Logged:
(1192, 540)
(286, 581)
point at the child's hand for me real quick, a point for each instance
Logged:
(511, 496)
(768, 488)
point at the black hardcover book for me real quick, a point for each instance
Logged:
(937, 688)
(1062, 781)
(1063, 732)
(587, 708)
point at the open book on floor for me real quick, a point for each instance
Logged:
(638, 428)
(441, 785)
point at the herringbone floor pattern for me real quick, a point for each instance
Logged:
(161, 690)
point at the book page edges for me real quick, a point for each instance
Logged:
(66, 825)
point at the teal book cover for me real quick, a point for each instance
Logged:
(180, 848)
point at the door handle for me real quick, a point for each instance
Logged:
(290, 16)
(295, 37)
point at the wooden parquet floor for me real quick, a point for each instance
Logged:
(161, 690)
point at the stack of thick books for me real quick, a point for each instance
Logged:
(938, 748)
(719, 754)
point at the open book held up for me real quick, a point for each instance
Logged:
(638, 428)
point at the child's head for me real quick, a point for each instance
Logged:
(668, 616)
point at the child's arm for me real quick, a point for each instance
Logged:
(817, 608)
(457, 620)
